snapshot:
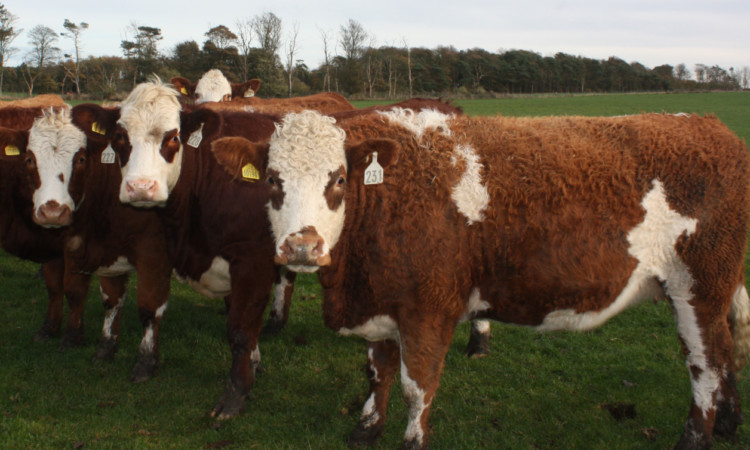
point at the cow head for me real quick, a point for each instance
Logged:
(51, 150)
(213, 86)
(307, 165)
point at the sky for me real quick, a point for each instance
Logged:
(653, 33)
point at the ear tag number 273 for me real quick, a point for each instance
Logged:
(374, 172)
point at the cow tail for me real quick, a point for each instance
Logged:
(739, 321)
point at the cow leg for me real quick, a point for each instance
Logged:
(113, 297)
(382, 365)
(423, 350)
(52, 272)
(76, 285)
(152, 296)
(282, 299)
(244, 322)
(479, 340)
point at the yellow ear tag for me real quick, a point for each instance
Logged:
(250, 173)
(183, 91)
(12, 150)
(96, 128)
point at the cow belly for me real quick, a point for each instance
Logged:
(120, 267)
(214, 282)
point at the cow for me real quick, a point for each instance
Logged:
(213, 86)
(75, 187)
(418, 221)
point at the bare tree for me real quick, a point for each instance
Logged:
(42, 54)
(8, 33)
(327, 60)
(291, 47)
(370, 69)
(244, 40)
(352, 38)
(681, 72)
(408, 66)
(267, 29)
(74, 32)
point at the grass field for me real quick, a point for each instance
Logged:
(554, 390)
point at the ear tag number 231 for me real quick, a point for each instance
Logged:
(374, 172)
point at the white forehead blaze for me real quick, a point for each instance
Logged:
(151, 110)
(304, 151)
(212, 87)
(53, 139)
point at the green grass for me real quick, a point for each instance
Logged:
(534, 390)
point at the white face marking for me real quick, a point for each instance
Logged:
(121, 266)
(377, 328)
(470, 194)
(214, 282)
(53, 139)
(213, 87)
(110, 315)
(652, 244)
(419, 122)
(151, 110)
(305, 177)
(415, 401)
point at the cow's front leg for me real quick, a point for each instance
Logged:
(423, 350)
(382, 364)
(112, 290)
(76, 285)
(282, 299)
(153, 294)
(52, 272)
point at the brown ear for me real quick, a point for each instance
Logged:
(96, 122)
(241, 158)
(247, 89)
(359, 156)
(184, 87)
(12, 143)
(192, 121)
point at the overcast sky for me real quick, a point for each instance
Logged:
(654, 32)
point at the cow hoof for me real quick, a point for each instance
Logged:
(71, 339)
(231, 403)
(693, 441)
(365, 436)
(145, 367)
(415, 444)
(106, 349)
(46, 333)
(727, 421)
(272, 327)
(478, 346)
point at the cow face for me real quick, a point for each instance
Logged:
(147, 141)
(53, 150)
(306, 165)
(213, 87)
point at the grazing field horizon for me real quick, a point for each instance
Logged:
(622, 386)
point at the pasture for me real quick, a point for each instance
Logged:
(621, 386)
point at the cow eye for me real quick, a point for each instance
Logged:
(270, 180)
(341, 181)
(81, 159)
(176, 138)
(29, 161)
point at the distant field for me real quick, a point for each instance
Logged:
(547, 391)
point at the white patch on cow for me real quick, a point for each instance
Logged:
(255, 358)
(470, 194)
(148, 112)
(279, 299)
(121, 266)
(147, 342)
(739, 318)
(474, 305)
(415, 401)
(295, 139)
(652, 245)
(160, 310)
(419, 122)
(212, 87)
(53, 139)
(373, 367)
(110, 315)
(214, 282)
(369, 415)
(482, 326)
(377, 328)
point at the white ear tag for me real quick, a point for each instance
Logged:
(196, 137)
(374, 172)
(108, 155)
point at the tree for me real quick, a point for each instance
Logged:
(352, 38)
(244, 40)
(42, 54)
(326, 60)
(74, 32)
(219, 52)
(267, 29)
(408, 67)
(291, 47)
(142, 51)
(187, 60)
(8, 33)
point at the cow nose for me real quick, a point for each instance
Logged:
(303, 249)
(141, 190)
(52, 214)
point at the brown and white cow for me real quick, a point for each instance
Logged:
(218, 233)
(75, 184)
(552, 223)
(213, 86)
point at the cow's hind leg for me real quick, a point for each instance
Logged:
(113, 297)
(52, 273)
(382, 365)
(282, 299)
(479, 340)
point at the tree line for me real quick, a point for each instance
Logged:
(258, 48)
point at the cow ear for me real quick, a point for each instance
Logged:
(203, 120)
(359, 156)
(12, 143)
(96, 122)
(247, 89)
(241, 158)
(184, 87)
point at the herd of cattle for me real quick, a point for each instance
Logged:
(415, 217)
